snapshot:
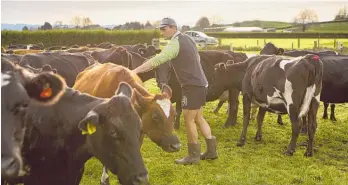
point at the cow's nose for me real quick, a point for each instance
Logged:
(176, 146)
(143, 180)
(9, 166)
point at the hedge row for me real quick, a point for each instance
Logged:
(80, 37)
(277, 35)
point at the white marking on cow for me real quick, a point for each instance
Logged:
(5, 79)
(318, 98)
(165, 105)
(307, 100)
(276, 98)
(284, 62)
(287, 94)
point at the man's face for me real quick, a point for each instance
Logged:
(167, 32)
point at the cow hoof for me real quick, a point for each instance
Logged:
(333, 119)
(227, 125)
(280, 123)
(325, 117)
(308, 154)
(258, 138)
(289, 153)
(241, 143)
(106, 182)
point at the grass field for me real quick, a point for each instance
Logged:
(255, 163)
(284, 43)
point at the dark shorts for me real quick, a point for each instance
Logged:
(193, 97)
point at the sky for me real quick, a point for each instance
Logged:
(184, 12)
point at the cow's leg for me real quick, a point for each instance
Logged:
(295, 128)
(105, 177)
(246, 119)
(280, 120)
(216, 110)
(178, 109)
(233, 107)
(312, 126)
(260, 117)
(326, 105)
(304, 129)
(332, 115)
(253, 111)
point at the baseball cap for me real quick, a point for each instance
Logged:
(167, 22)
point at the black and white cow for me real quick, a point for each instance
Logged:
(18, 89)
(335, 76)
(277, 85)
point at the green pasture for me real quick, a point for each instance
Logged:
(256, 162)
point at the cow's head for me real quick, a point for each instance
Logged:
(113, 136)
(271, 49)
(18, 88)
(149, 51)
(158, 119)
(225, 76)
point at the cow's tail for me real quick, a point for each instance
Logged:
(316, 74)
(315, 69)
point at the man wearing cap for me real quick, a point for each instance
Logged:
(182, 52)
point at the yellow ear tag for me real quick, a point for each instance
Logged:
(90, 129)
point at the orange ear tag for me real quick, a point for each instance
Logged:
(46, 93)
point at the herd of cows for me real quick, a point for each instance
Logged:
(62, 106)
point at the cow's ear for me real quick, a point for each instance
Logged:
(158, 51)
(88, 125)
(167, 90)
(142, 51)
(46, 88)
(124, 89)
(280, 51)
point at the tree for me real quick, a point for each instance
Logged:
(46, 26)
(156, 23)
(148, 24)
(342, 14)
(306, 16)
(86, 21)
(76, 21)
(203, 22)
(215, 20)
(25, 28)
(185, 28)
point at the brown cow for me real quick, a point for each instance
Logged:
(156, 111)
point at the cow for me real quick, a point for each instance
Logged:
(156, 111)
(18, 89)
(277, 85)
(134, 48)
(61, 138)
(105, 45)
(113, 55)
(335, 77)
(165, 75)
(68, 65)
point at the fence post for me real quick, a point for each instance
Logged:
(298, 43)
(292, 45)
(315, 45)
(318, 43)
(264, 42)
(257, 42)
(334, 43)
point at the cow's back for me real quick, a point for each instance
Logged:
(102, 80)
